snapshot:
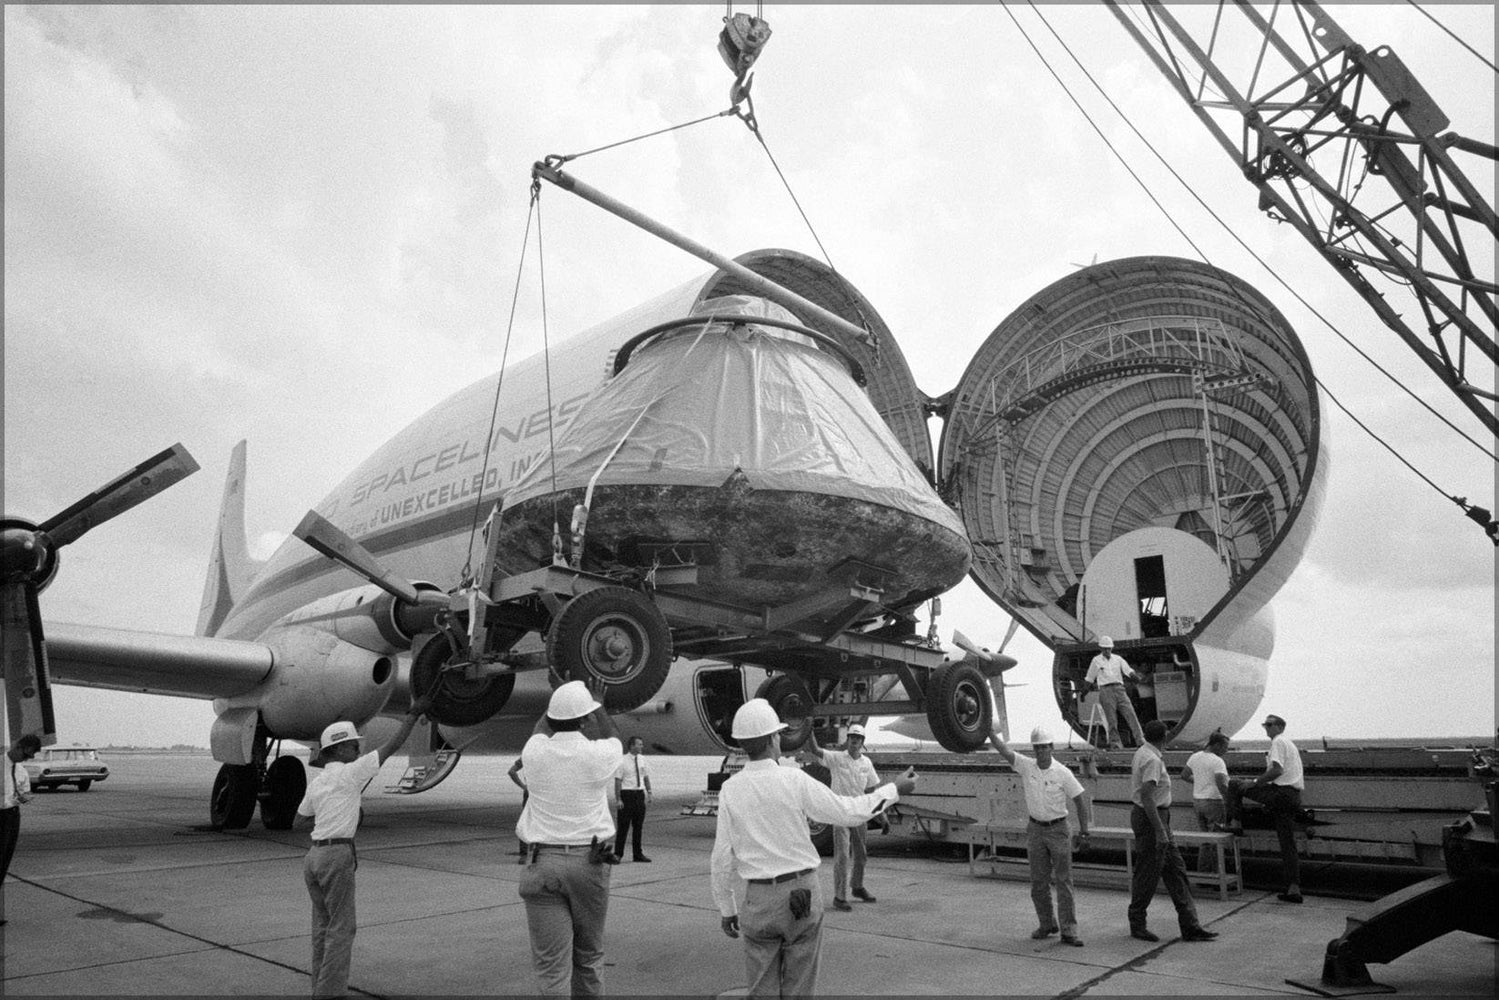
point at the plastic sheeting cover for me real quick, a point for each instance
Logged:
(697, 404)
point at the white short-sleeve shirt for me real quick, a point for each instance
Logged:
(1284, 753)
(632, 772)
(1048, 791)
(850, 776)
(568, 776)
(1205, 765)
(333, 796)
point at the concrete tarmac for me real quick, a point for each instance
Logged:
(121, 891)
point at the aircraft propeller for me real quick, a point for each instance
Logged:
(999, 662)
(28, 562)
(332, 542)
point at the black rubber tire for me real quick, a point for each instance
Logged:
(789, 695)
(285, 784)
(821, 833)
(232, 803)
(958, 707)
(84, 785)
(456, 701)
(636, 666)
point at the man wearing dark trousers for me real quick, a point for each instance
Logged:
(1279, 790)
(1156, 856)
(632, 787)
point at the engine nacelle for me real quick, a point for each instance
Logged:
(367, 617)
(319, 679)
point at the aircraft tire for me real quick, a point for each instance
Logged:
(616, 635)
(790, 697)
(821, 833)
(285, 784)
(232, 803)
(958, 707)
(456, 700)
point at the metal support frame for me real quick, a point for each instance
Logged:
(1342, 106)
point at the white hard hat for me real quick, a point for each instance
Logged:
(1106, 642)
(1041, 735)
(756, 718)
(339, 732)
(856, 730)
(570, 701)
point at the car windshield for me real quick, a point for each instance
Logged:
(73, 753)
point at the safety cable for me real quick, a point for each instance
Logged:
(1232, 233)
(564, 158)
(753, 124)
(1454, 37)
(494, 410)
(546, 356)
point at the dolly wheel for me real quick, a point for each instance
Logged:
(615, 635)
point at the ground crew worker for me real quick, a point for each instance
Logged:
(1108, 672)
(852, 774)
(331, 808)
(569, 764)
(1156, 856)
(17, 791)
(762, 836)
(1048, 786)
(632, 787)
(1279, 790)
(525, 795)
(1208, 773)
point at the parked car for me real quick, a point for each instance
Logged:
(55, 766)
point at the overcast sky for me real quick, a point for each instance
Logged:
(301, 226)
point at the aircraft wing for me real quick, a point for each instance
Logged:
(154, 663)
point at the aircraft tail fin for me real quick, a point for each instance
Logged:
(230, 568)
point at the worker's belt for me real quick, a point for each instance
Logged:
(1113, 684)
(1048, 822)
(560, 847)
(777, 880)
(333, 840)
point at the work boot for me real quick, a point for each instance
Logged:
(1073, 940)
(841, 904)
(1043, 932)
(641, 858)
(1143, 934)
(863, 893)
(1199, 934)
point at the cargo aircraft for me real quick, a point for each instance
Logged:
(729, 492)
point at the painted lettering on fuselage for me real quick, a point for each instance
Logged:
(378, 487)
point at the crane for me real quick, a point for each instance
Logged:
(1397, 203)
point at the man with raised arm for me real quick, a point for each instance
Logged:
(852, 774)
(331, 808)
(565, 824)
(1049, 786)
(762, 837)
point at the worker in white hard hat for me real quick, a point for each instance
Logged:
(331, 808)
(569, 834)
(852, 773)
(762, 837)
(1048, 786)
(1108, 671)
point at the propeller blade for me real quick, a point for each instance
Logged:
(966, 645)
(320, 533)
(999, 661)
(1009, 633)
(119, 495)
(23, 664)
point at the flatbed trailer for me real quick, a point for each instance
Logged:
(1364, 804)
